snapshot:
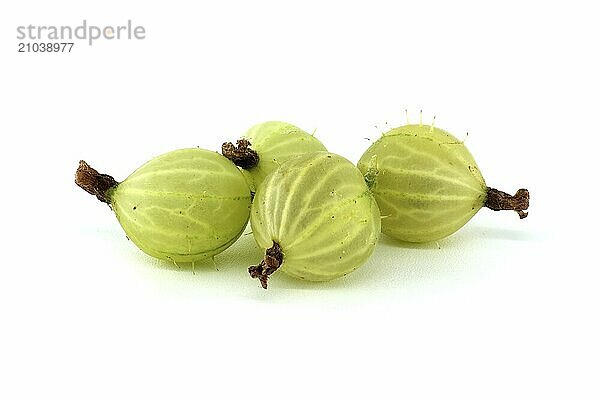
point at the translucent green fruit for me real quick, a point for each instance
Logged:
(266, 146)
(182, 206)
(315, 218)
(427, 184)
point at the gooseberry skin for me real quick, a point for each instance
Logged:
(276, 142)
(425, 181)
(318, 209)
(183, 206)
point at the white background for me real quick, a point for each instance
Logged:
(503, 309)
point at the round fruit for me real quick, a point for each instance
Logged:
(265, 146)
(182, 206)
(315, 218)
(427, 184)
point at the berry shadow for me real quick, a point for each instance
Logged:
(397, 265)
(244, 252)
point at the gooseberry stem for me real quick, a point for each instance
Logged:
(497, 200)
(272, 261)
(241, 155)
(94, 182)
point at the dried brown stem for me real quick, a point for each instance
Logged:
(498, 200)
(94, 182)
(273, 260)
(241, 155)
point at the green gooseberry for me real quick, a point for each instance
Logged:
(315, 218)
(183, 206)
(267, 145)
(428, 185)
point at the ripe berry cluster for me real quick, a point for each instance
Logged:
(316, 215)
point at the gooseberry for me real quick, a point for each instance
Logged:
(267, 145)
(427, 184)
(182, 206)
(315, 218)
